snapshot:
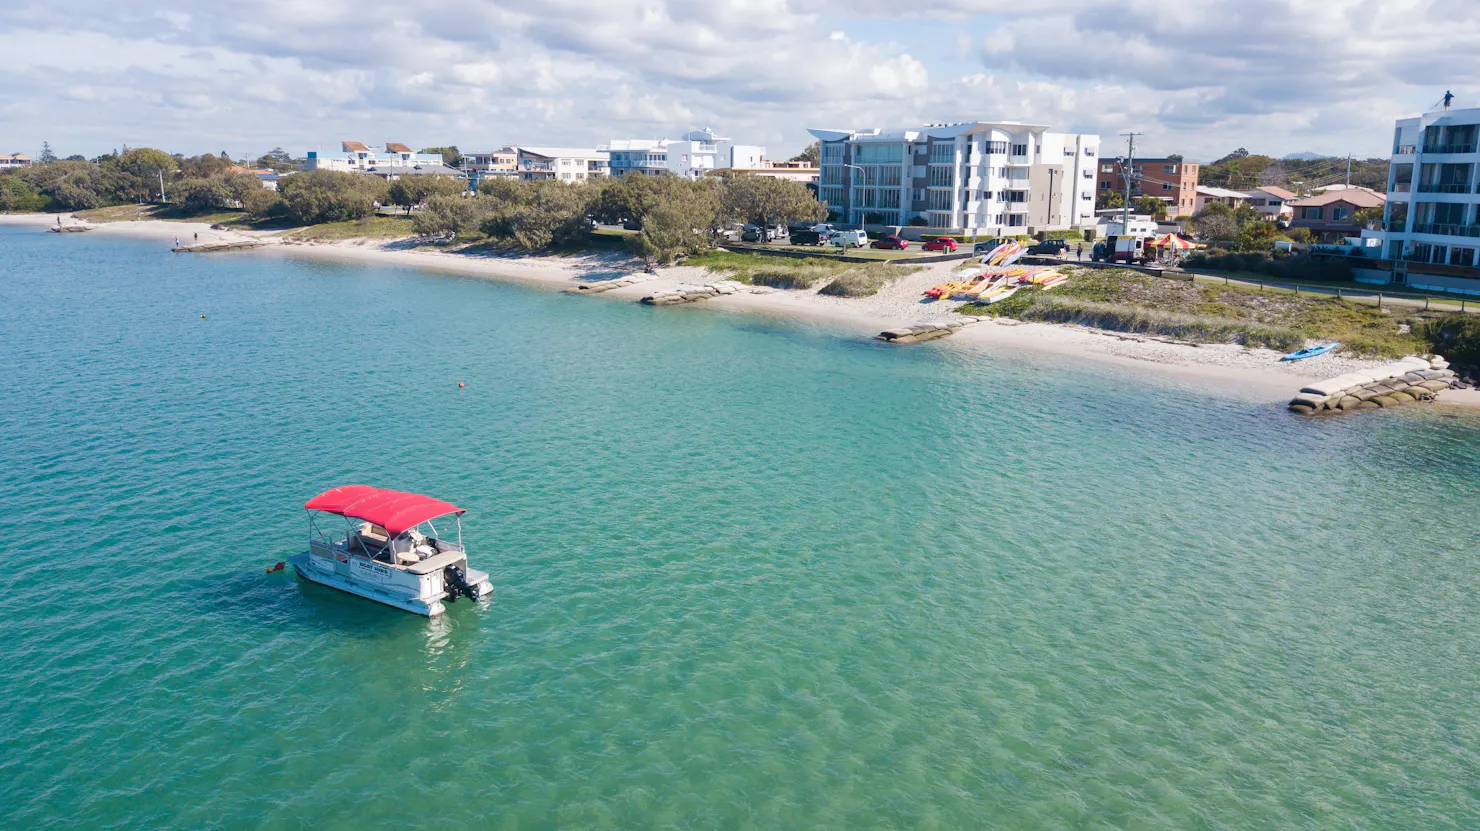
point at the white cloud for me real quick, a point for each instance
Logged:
(1199, 77)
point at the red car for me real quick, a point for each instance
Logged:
(894, 243)
(941, 244)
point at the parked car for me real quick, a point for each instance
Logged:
(753, 233)
(984, 247)
(776, 232)
(631, 225)
(805, 236)
(1054, 247)
(890, 243)
(941, 244)
(857, 239)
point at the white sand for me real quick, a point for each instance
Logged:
(1225, 369)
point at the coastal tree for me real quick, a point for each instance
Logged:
(46, 157)
(18, 196)
(316, 196)
(812, 155)
(451, 156)
(1151, 206)
(680, 221)
(1215, 222)
(444, 214)
(146, 165)
(541, 215)
(767, 200)
(1109, 199)
(409, 191)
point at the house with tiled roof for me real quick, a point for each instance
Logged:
(1273, 202)
(355, 157)
(1328, 214)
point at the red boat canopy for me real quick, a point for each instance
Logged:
(394, 511)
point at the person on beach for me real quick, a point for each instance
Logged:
(177, 242)
(197, 236)
(1079, 252)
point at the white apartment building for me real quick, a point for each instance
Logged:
(976, 176)
(691, 155)
(355, 157)
(563, 164)
(1431, 228)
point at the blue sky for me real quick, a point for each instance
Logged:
(1198, 77)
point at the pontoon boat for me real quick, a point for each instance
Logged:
(389, 549)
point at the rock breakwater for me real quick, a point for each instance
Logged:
(915, 333)
(1403, 382)
(690, 294)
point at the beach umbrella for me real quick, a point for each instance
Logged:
(1173, 242)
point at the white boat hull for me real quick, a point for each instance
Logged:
(322, 570)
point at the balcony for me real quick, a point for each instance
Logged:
(1451, 148)
(1443, 187)
(1404, 150)
(1447, 230)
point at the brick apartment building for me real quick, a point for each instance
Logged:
(1171, 180)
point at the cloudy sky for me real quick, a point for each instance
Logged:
(1199, 77)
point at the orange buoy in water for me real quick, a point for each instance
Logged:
(459, 385)
(278, 566)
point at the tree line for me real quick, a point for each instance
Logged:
(672, 215)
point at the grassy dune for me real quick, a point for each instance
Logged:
(1127, 301)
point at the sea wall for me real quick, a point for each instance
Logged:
(1404, 382)
(689, 294)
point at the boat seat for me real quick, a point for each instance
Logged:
(407, 557)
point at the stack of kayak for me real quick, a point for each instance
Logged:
(996, 283)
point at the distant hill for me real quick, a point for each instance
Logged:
(1241, 170)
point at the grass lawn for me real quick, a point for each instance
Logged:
(1124, 300)
(1449, 301)
(374, 227)
(839, 278)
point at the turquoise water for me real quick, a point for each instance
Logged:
(750, 573)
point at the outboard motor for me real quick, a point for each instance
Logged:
(456, 584)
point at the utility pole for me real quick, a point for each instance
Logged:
(1130, 164)
(161, 185)
(1348, 170)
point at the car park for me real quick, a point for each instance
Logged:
(941, 244)
(890, 243)
(805, 236)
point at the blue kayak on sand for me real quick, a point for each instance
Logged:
(1310, 352)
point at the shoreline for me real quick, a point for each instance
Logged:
(1225, 370)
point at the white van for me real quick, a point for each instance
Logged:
(856, 239)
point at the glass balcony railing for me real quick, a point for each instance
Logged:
(1443, 187)
(1447, 230)
(1404, 150)
(1464, 147)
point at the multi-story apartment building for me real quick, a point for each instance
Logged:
(691, 155)
(1431, 228)
(563, 164)
(502, 162)
(982, 176)
(355, 157)
(1171, 180)
(14, 161)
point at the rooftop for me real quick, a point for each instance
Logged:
(1274, 191)
(1361, 197)
(353, 147)
(1221, 193)
(565, 152)
(396, 147)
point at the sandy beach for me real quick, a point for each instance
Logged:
(1223, 369)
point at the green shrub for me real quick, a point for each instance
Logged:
(1122, 318)
(1456, 337)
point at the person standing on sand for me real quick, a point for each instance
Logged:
(197, 236)
(177, 242)
(1079, 252)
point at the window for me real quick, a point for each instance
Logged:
(1167, 186)
(832, 196)
(942, 153)
(1017, 196)
(1338, 214)
(878, 153)
(1016, 220)
(1312, 213)
(1107, 168)
(1020, 150)
(996, 148)
(918, 194)
(832, 153)
(1169, 168)
(940, 200)
(1089, 151)
(942, 177)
